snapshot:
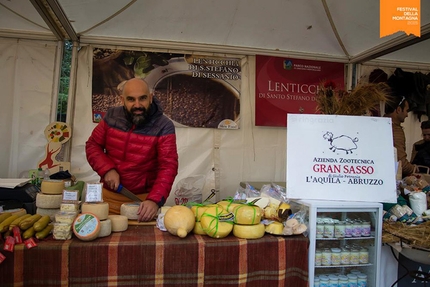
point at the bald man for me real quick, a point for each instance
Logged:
(135, 145)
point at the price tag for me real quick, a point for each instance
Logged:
(94, 192)
(70, 195)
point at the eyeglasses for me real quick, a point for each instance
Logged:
(401, 102)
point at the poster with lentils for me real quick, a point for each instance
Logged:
(194, 90)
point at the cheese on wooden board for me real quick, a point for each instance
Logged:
(86, 226)
(130, 210)
(52, 186)
(99, 209)
(105, 228)
(119, 222)
(49, 200)
(253, 231)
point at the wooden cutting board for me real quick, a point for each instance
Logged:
(135, 222)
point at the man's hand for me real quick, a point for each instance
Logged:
(147, 211)
(111, 179)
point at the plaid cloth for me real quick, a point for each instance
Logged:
(146, 256)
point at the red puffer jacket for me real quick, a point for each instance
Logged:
(145, 157)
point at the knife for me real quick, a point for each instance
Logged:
(124, 191)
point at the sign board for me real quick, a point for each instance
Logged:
(286, 85)
(332, 157)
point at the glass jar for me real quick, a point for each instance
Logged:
(352, 280)
(324, 281)
(356, 228)
(326, 257)
(348, 229)
(318, 256)
(333, 280)
(343, 281)
(345, 256)
(364, 256)
(320, 229)
(355, 256)
(329, 230)
(365, 228)
(339, 229)
(317, 282)
(335, 256)
(361, 280)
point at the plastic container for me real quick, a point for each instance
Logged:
(361, 280)
(345, 256)
(339, 229)
(46, 174)
(335, 256)
(364, 256)
(318, 257)
(326, 257)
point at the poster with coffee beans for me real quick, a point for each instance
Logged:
(194, 90)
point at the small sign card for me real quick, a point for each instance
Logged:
(332, 157)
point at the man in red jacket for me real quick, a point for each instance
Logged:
(135, 145)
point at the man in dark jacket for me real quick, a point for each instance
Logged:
(135, 145)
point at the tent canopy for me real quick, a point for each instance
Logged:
(345, 31)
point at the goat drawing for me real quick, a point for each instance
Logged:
(341, 142)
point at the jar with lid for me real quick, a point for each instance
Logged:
(365, 228)
(348, 228)
(333, 280)
(345, 256)
(361, 280)
(343, 281)
(335, 256)
(356, 228)
(364, 256)
(352, 280)
(318, 256)
(329, 229)
(324, 281)
(326, 257)
(355, 256)
(317, 282)
(320, 229)
(339, 229)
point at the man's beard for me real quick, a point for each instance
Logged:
(137, 119)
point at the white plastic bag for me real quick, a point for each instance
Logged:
(189, 189)
(418, 201)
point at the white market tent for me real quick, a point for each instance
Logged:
(30, 53)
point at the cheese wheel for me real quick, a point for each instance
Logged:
(52, 186)
(105, 228)
(247, 214)
(249, 231)
(49, 200)
(86, 226)
(228, 205)
(213, 223)
(198, 229)
(275, 228)
(130, 210)
(119, 222)
(99, 209)
(47, 211)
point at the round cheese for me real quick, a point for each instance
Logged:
(247, 214)
(86, 226)
(105, 228)
(49, 200)
(52, 186)
(99, 209)
(119, 222)
(130, 210)
(216, 223)
(249, 231)
(198, 229)
(47, 211)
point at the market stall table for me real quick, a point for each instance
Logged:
(146, 256)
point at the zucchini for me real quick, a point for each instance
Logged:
(28, 233)
(18, 220)
(4, 226)
(41, 223)
(4, 215)
(28, 222)
(45, 232)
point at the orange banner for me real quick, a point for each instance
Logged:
(400, 15)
